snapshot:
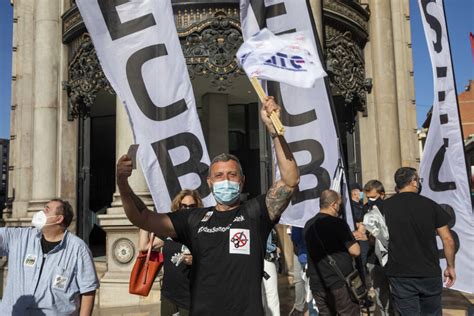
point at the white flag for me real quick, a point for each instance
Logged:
(443, 165)
(140, 53)
(289, 58)
(306, 113)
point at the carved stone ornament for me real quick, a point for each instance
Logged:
(123, 250)
(345, 63)
(351, 12)
(209, 48)
(86, 79)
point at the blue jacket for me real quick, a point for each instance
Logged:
(297, 237)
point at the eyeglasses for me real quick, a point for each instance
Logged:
(182, 205)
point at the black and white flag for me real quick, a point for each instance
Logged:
(443, 165)
(306, 113)
(139, 51)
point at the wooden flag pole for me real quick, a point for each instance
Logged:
(280, 130)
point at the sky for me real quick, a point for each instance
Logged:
(460, 19)
(459, 14)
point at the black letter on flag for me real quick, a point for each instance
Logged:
(457, 243)
(118, 29)
(286, 118)
(434, 24)
(171, 173)
(313, 167)
(139, 91)
(434, 183)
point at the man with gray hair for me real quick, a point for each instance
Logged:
(50, 270)
(228, 240)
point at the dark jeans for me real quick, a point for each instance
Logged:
(361, 263)
(338, 301)
(169, 308)
(384, 304)
(417, 296)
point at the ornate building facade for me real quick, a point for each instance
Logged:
(68, 128)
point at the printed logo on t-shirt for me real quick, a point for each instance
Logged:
(207, 216)
(239, 241)
(178, 257)
(60, 282)
(30, 260)
(239, 218)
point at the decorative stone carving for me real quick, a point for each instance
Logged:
(86, 79)
(123, 250)
(73, 26)
(209, 48)
(346, 29)
(349, 13)
(346, 69)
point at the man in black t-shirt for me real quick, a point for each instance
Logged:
(227, 241)
(413, 259)
(327, 234)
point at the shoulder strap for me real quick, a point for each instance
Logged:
(150, 246)
(331, 260)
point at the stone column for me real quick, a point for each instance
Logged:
(45, 87)
(404, 74)
(21, 152)
(122, 236)
(67, 162)
(368, 125)
(216, 123)
(21, 122)
(317, 10)
(385, 92)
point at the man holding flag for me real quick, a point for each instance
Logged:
(227, 241)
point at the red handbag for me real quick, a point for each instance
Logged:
(145, 270)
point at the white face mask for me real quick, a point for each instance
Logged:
(39, 220)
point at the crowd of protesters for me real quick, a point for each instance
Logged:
(223, 260)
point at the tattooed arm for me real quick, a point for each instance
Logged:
(135, 209)
(279, 195)
(278, 198)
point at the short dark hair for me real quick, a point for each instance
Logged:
(328, 197)
(403, 176)
(355, 186)
(225, 157)
(374, 185)
(66, 211)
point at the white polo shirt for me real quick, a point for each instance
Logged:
(68, 271)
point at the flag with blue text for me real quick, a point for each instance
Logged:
(306, 114)
(289, 58)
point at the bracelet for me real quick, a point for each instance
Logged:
(274, 135)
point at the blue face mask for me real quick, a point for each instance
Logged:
(226, 192)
